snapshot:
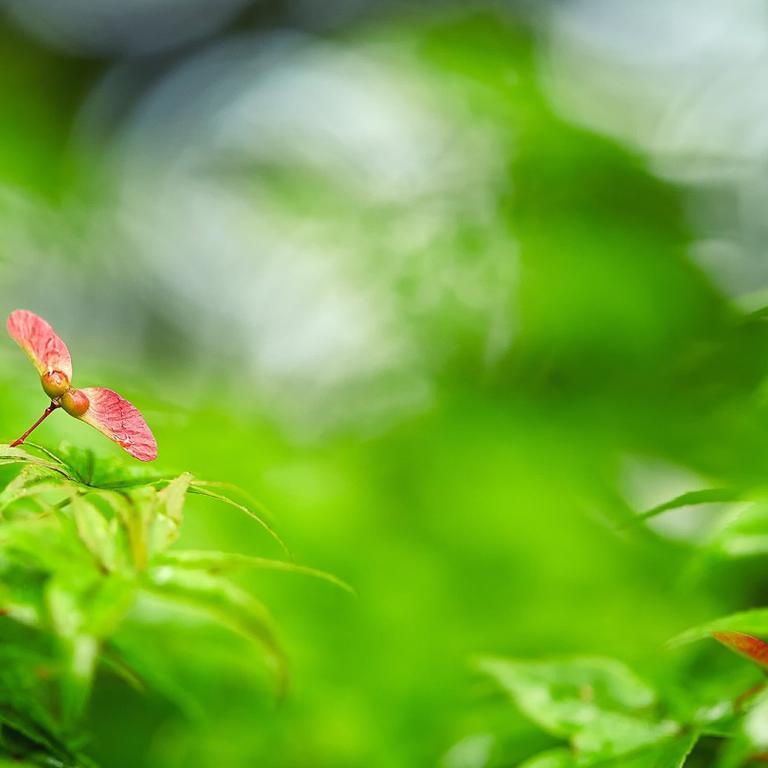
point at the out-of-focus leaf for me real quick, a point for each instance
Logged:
(598, 703)
(752, 648)
(77, 650)
(80, 653)
(105, 606)
(225, 561)
(26, 477)
(34, 740)
(172, 497)
(755, 724)
(202, 489)
(473, 751)
(611, 736)
(692, 498)
(236, 492)
(672, 753)
(24, 660)
(73, 576)
(30, 481)
(563, 695)
(84, 610)
(553, 758)
(136, 509)
(743, 532)
(170, 512)
(147, 665)
(669, 753)
(89, 605)
(748, 745)
(224, 601)
(21, 596)
(44, 544)
(753, 622)
(96, 533)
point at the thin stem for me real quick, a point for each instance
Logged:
(46, 413)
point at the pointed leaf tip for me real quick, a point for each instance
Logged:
(120, 421)
(750, 647)
(42, 345)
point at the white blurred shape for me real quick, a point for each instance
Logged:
(686, 83)
(674, 78)
(756, 724)
(279, 194)
(121, 27)
(648, 483)
(471, 752)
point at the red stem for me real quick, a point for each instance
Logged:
(46, 413)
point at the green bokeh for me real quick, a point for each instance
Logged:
(491, 521)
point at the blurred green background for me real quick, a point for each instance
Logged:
(451, 289)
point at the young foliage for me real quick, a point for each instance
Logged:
(82, 544)
(606, 714)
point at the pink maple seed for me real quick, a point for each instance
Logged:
(43, 346)
(120, 421)
(750, 647)
(102, 408)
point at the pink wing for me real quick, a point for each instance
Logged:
(120, 421)
(43, 347)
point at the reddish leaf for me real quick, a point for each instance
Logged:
(745, 645)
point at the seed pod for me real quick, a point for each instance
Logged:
(55, 384)
(102, 408)
(75, 402)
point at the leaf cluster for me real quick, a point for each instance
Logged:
(84, 544)
(596, 712)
